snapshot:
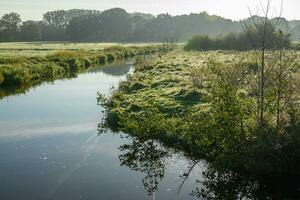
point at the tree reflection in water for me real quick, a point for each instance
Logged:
(151, 158)
(223, 185)
(147, 157)
(226, 184)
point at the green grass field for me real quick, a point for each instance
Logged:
(44, 48)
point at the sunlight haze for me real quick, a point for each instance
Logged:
(232, 9)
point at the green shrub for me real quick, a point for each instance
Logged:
(74, 65)
(1, 78)
(15, 75)
(246, 40)
(110, 57)
(87, 63)
(102, 59)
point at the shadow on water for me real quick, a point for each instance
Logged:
(229, 185)
(151, 158)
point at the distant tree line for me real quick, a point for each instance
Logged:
(248, 39)
(116, 25)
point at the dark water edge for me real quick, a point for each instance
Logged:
(50, 149)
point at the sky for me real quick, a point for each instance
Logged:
(231, 9)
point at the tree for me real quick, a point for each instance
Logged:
(9, 26)
(51, 33)
(260, 42)
(30, 31)
(84, 28)
(115, 25)
(138, 23)
(58, 21)
(284, 78)
(296, 32)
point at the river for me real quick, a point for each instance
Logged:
(50, 147)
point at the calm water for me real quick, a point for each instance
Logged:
(50, 148)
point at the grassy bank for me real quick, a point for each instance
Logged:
(205, 103)
(20, 72)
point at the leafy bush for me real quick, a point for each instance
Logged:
(110, 57)
(15, 75)
(1, 78)
(101, 59)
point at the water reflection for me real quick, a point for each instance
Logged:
(226, 184)
(151, 158)
(115, 69)
(147, 157)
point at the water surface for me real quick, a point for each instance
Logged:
(50, 147)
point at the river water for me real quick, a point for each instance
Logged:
(50, 148)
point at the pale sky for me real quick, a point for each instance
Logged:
(232, 9)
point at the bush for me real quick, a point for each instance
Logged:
(110, 57)
(200, 43)
(1, 78)
(246, 40)
(75, 65)
(102, 59)
(87, 63)
(15, 75)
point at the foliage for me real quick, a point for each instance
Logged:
(9, 26)
(118, 25)
(30, 31)
(214, 118)
(246, 40)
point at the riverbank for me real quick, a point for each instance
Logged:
(20, 72)
(203, 103)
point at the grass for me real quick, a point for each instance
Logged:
(21, 69)
(168, 83)
(43, 48)
(191, 100)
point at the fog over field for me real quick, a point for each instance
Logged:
(232, 9)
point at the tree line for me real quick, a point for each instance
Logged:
(117, 25)
(248, 39)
